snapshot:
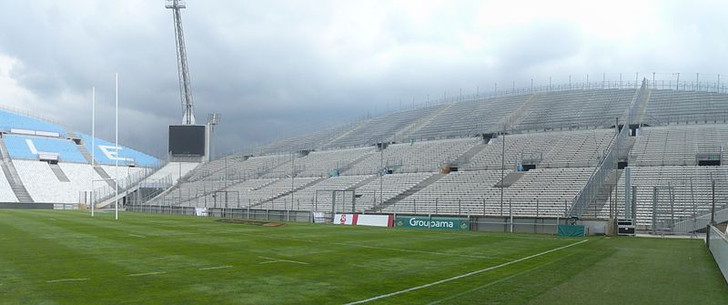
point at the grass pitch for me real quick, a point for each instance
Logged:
(62, 257)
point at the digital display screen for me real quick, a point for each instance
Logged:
(187, 140)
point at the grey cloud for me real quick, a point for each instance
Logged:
(280, 68)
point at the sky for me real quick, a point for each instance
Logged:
(276, 69)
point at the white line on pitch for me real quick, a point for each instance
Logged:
(145, 274)
(500, 280)
(465, 275)
(385, 248)
(418, 251)
(215, 268)
(140, 236)
(276, 260)
(67, 280)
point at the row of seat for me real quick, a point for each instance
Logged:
(427, 156)
(546, 192)
(26, 147)
(10, 120)
(667, 107)
(471, 117)
(44, 186)
(555, 110)
(583, 148)
(678, 145)
(673, 192)
(595, 108)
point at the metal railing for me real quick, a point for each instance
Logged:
(125, 183)
(240, 213)
(598, 179)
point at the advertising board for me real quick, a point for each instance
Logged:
(437, 223)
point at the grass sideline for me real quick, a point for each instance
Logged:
(68, 257)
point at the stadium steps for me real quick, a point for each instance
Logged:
(518, 115)
(509, 179)
(354, 163)
(89, 159)
(99, 170)
(418, 124)
(626, 147)
(469, 154)
(602, 198)
(363, 183)
(418, 187)
(81, 147)
(11, 174)
(344, 134)
(279, 170)
(642, 108)
(59, 173)
(288, 192)
(3, 153)
(16, 185)
(260, 187)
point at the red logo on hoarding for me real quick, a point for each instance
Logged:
(343, 218)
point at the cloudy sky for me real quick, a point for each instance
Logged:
(281, 68)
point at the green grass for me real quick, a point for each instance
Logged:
(62, 257)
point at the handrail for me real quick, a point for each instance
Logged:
(597, 180)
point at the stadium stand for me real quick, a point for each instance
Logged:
(580, 148)
(6, 192)
(678, 145)
(575, 109)
(29, 148)
(470, 118)
(105, 154)
(555, 141)
(315, 141)
(672, 107)
(560, 151)
(382, 129)
(10, 121)
(379, 191)
(411, 157)
(316, 197)
(238, 167)
(45, 186)
(538, 192)
(269, 189)
(683, 192)
(173, 170)
(43, 162)
(322, 163)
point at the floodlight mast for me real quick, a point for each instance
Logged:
(188, 116)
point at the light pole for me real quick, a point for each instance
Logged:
(212, 120)
(381, 173)
(116, 146)
(93, 145)
(503, 165)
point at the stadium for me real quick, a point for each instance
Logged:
(594, 192)
(634, 159)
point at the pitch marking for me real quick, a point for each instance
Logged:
(145, 274)
(215, 268)
(140, 236)
(381, 248)
(465, 275)
(416, 251)
(500, 280)
(67, 280)
(278, 260)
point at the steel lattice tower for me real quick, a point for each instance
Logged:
(188, 116)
